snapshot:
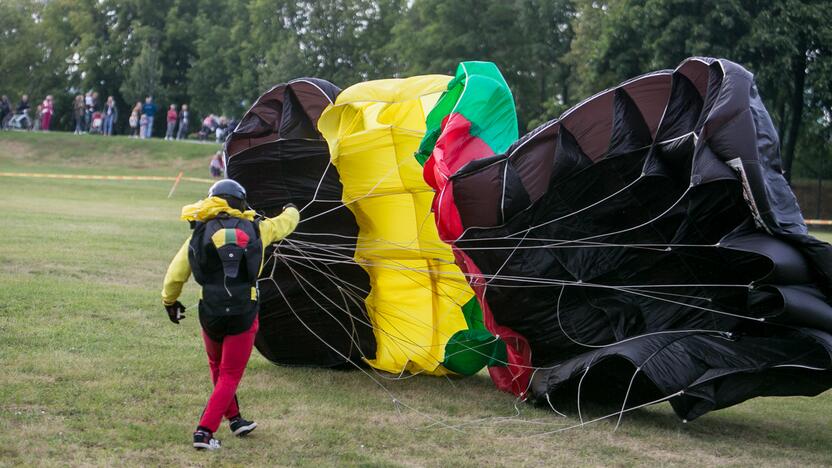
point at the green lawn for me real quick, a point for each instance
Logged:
(92, 372)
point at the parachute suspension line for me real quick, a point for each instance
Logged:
(549, 401)
(427, 271)
(580, 384)
(508, 257)
(639, 226)
(332, 257)
(601, 418)
(630, 289)
(580, 210)
(638, 369)
(553, 244)
(402, 377)
(352, 338)
(390, 394)
(410, 322)
(298, 278)
(398, 404)
(634, 181)
(402, 338)
(395, 339)
(403, 268)
(465, 347)
(621, 289)
(543, 282)
(368, 194)
(318, 187)
(626, 397)
(634, 291)
(717, 333)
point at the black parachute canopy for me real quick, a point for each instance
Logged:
(277, 154)
(648, 247)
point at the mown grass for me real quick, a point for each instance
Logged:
(95, 154)
(92, 372)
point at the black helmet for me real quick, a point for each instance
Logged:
(230, 191)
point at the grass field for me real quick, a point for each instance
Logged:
(93, 373)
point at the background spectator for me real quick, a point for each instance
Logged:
(184, 119)
(79, 111)
(46, 113)
(222, 127)
(38, 115)
(148, 112)
(88, 107)
(110, 115)
(97, 124)
(134, 122)
(5, 110)
(209, 126)
(172, 117)
(143, 125)
(21, 115)
(217, 166)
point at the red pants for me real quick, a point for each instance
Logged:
(45, 120)
(227, 360)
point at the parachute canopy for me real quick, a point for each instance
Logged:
(365, 277)
(425, 316)
(277, 154)
(642, 247)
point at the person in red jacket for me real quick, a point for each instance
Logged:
(225, 253)
(46, 115)
(172, 117)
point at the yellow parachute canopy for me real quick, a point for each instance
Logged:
(418, 293)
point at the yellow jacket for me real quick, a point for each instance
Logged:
(271, 230)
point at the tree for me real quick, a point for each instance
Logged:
(785, 43)
(144, 77)
(789, 49)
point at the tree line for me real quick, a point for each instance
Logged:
(219, 55)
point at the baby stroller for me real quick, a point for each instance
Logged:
(20, 121)
(97, 123)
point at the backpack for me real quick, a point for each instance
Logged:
(225, 254)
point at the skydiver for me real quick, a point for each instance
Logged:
(225, 253)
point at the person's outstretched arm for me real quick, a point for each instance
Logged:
(178, 273)
(274, 229)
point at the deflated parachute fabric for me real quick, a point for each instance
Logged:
(277, 154)
(648, 248)
(473, 119)
(425, 316)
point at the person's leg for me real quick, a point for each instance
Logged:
(149, 127)
(214, 351)
(236, 350)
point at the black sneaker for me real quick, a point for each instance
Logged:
(240, 427)
(205, 441)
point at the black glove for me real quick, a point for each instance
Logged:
(176, 312)
(289, 205)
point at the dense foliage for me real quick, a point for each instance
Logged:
(218, 55)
